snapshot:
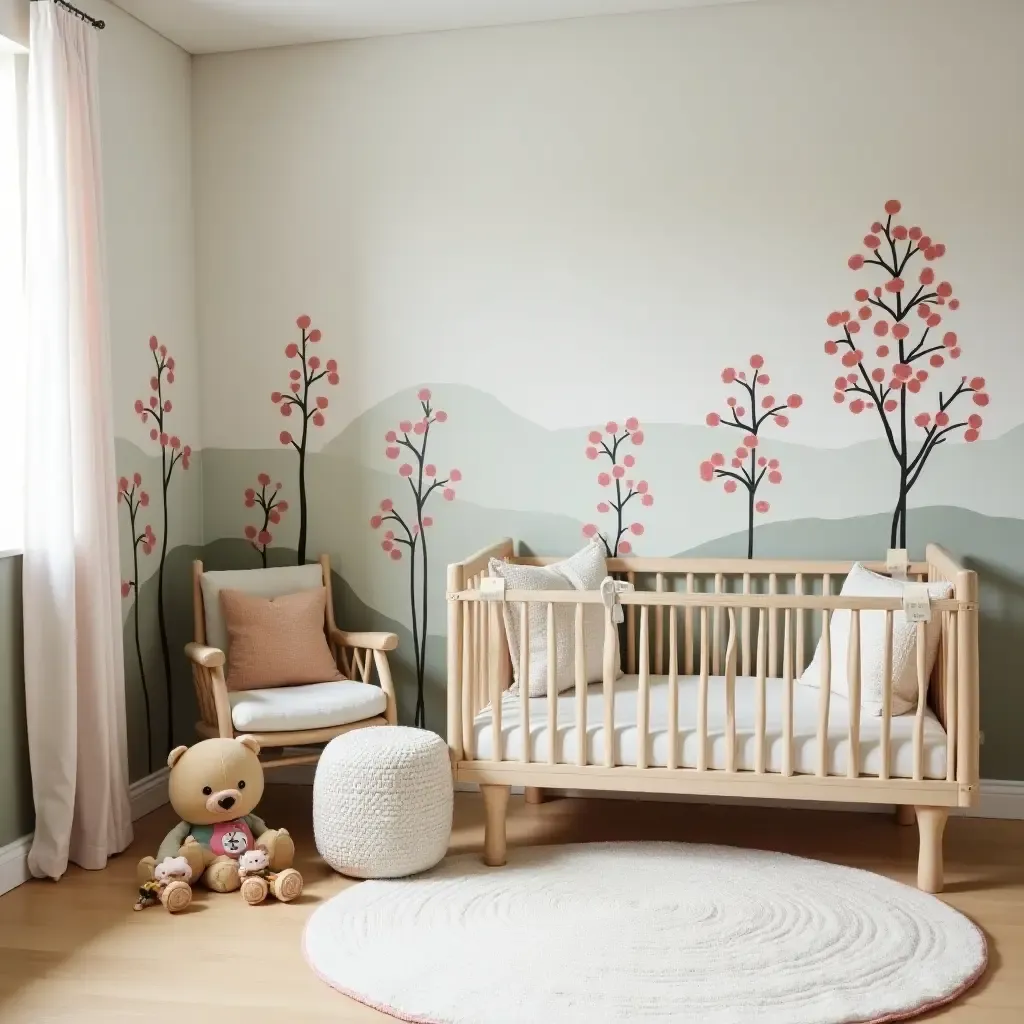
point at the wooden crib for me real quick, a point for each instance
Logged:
(711, 649)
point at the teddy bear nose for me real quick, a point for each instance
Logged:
(227, 802)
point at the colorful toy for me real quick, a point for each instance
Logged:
(169, 886)
(214, 786)
(258, 880)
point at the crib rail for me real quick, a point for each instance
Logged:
(709, 618)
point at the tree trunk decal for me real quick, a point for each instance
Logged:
(272, 508)
(410, 529)
(888, 382)
(156, 412)
(749, 466)
(135, 498)
(300, 399)
(622, 489)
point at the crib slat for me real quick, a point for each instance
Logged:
(702, 694)
(631, 630)
(824, 690)
(787, 693)
(886, 696)
(799, 589)
(951, 695)
(643, 694)
(468, 685)
(922, 699)
(494, 676)
(673, 691)
(608, 687)
(524, 679)
(688, 631)
(552, 688)
(745, 627)
(659, 629)
(716, 644)
(483, 695)
(762, 671)
(730, 694)
(773, 629)
(581, 689)
(853, 678)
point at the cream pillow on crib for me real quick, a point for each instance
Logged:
(583, 571)
(862, 582)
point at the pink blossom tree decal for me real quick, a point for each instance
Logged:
(410, 531)
(272, 508)
(889, 379)
(619, 478)
(300, 400)
(156, 412)
(143, 539)
(748, 466)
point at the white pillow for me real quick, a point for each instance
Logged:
(583, 571)
(862, 582)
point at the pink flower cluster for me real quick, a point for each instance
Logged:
(310, 370)
(156, 408)
(134, 497)
(272, 507)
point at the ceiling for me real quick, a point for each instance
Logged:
(211, 26)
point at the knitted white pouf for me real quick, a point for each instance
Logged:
(382, 802)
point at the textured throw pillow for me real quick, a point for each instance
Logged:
(583, 571)
(862, 582)
(276, 641)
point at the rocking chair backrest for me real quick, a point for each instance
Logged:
(257, 582)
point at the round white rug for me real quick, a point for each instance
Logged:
(644, 932)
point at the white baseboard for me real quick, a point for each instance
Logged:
(148, 793)
(144, 795)
(14, 863)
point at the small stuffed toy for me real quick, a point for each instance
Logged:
(169, 886)
(214, 787)
(258, 880)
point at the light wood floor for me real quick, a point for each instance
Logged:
(76, 951)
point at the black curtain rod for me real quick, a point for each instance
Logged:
(80, 14)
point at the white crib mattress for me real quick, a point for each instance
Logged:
(805, 729)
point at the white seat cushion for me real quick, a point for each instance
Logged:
(312, 706)
(624, 741)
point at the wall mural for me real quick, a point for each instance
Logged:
(411, 529)
(884, 382)
(272, 509)
(300, 399)
(625, 488)
(157, 412)
(144, 540)
(750, 467)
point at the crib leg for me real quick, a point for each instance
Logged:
(535, 795)
(905, 814)
(495, 806)
(931, 823)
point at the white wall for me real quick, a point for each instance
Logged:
(600, 214)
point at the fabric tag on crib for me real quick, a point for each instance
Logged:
(896, 563)
(917, 604)
(492, 588)
(610, 590)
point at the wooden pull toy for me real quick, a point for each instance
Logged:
(169, 886)
(258, 881)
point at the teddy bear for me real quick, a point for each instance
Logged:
(258, 879)
(214, 786)
(169, 886)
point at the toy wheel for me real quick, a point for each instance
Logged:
(288, 885)
(176, 896)
(254, 890)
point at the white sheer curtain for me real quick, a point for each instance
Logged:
(74, 672)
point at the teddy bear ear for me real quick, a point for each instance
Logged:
(175, 755)
(249, 741)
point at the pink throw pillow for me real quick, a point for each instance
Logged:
(276, 641)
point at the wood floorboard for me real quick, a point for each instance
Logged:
(75, 951)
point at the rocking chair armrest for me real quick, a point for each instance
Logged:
(205, 657)
(366, 641)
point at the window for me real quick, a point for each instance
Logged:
(13, 335)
